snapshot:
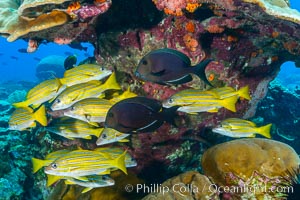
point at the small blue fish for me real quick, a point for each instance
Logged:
(168, 66)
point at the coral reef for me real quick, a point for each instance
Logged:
(46, 19)
(273, 109)
(251, 162)
(247, 39)
(189, 185)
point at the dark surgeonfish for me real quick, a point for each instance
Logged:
(138, 114)
(70, 62)
(168, 66)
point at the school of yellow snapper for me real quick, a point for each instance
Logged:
(81, 95)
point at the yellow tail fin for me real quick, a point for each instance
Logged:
(40, 116)
(244, 93)
(119, 162)
(97, 132)
(52, 179)
(111, 82)
(229, 103)
(21, 104)
(38, 164)
(265, 130)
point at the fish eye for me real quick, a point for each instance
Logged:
(72, 107)
(57, 100)
(144, 62)
(102, 68)
(170, 100)
(104, 136)
(105, 178)
(54, 165)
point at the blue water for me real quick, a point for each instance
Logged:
(18, 66)
(21, 66)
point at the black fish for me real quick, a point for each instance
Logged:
(169, 66)
(77, 46)
(138, 114)
(70, 62)
(14, 57)
(22, 50)
(37, 59)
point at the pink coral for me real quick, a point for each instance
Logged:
(173, 7)
(88, 11)
(61, 40)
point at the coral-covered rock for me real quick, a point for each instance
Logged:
(187, 186)
(251, 162)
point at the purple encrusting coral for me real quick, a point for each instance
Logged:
(247, 46)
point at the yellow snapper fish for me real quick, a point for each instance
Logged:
(25, 117)
(235, 127)
(110, 135)
(94, 181)
(115, 152)
(37, 164)
(84, 73)
(91, 110)
(90, 182)
(81, 91)
(85, 162)
(45, 91)
(225, 92)
(73, 128)
(195, 100)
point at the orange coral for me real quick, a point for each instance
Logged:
(190, 27)
(190, 42)
(73, 6)
(177, 12)
(211, 77)
(231, 38)
(275, 34)
(191, 7)
(214, 29)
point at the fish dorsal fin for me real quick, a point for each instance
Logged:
(151, 104)
(182, 56)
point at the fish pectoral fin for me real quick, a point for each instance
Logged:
(88, 137)
(82, 178)
(86, 189)
(159, 73)
(123, 140)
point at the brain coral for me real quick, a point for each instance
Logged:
(190, 185)
(244, 160)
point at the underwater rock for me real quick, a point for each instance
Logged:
(280, 107)
(252, 163)
(17, 96)
(5, 110)
(50, 67)
(190, 185)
